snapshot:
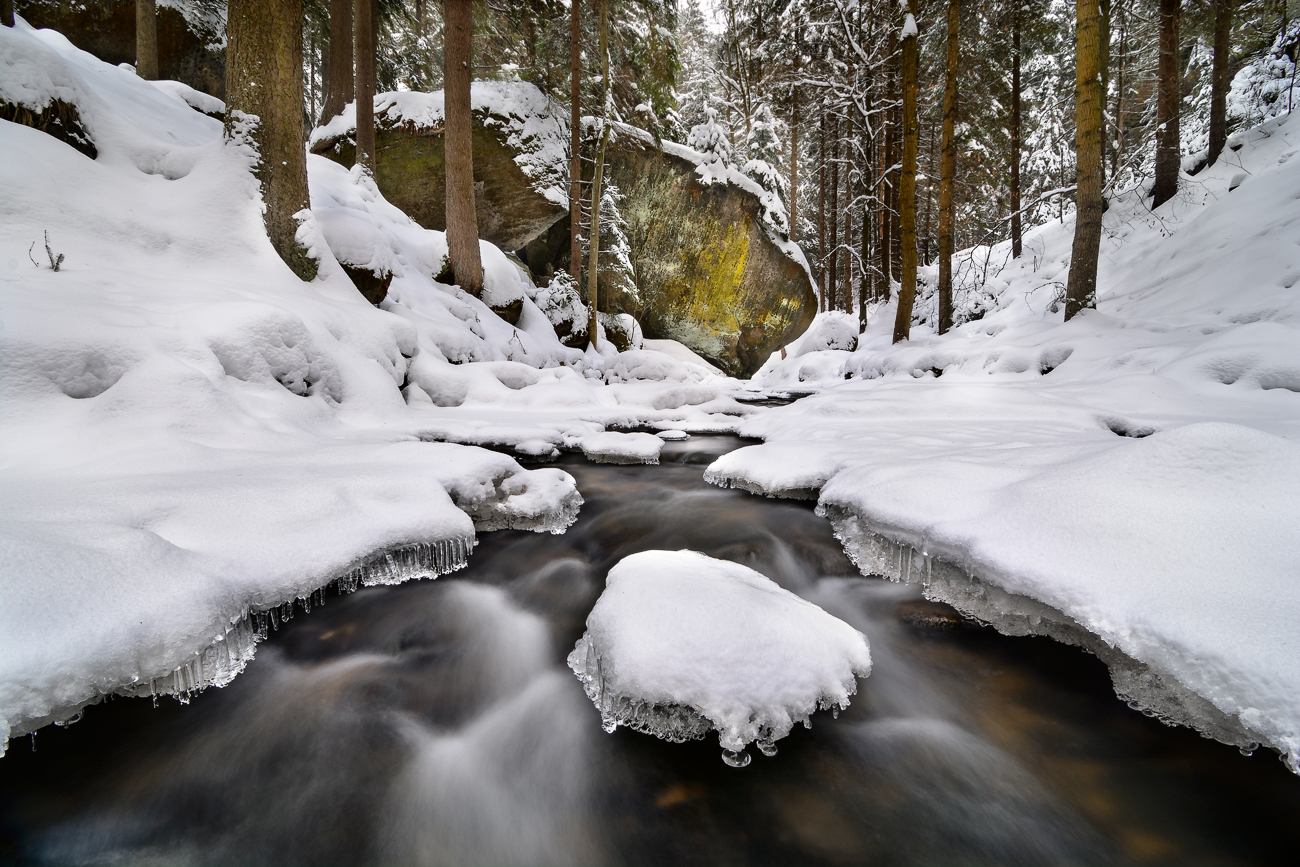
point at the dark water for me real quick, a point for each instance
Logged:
(435, 723)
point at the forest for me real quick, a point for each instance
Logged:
(602, 432)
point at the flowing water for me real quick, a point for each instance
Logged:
(435, 723)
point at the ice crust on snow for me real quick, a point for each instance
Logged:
(1129, 480)
(194, 441)
(680, 643)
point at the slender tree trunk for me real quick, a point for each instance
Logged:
(896, 148)
(1081, 288)
(264, 80)
(907, 180)
(821, 213)
(1167, 102)
(948, 168)
(1219, 79)
(1117, 155)
(866, 288)
(794, 163)
(593, 262)
(339, 84)
(1015, 135)
(1104, 36)
(7, 13)
(366, 11)
(575, 141)
(850, 196)
(146, 39)
(887, 177)
(929, 200)
(462, 220)
(833, 271)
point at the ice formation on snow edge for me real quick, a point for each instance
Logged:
(233, 648)
(1143, 687)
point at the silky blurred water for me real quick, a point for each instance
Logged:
(435, 724)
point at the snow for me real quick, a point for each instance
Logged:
(193, 441)
(679, 643)
(612, 447)
(1134, 473)
(533, 124)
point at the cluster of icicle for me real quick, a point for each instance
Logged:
(220, 662)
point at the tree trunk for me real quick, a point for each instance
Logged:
(1015, 135)
(948, 169)
(339, 82)
(7, 13)
(907, 180)
(868, 164)
(146, 39)
(1104, 36)
(365, 15)
(575, 141)
(264, 80)
(1169, 98)
(887, 179)
(1219, 79)
(593, 261)
(794, 164)
(1081, 289)
(821, 214)
(462, 220)
(832, 270)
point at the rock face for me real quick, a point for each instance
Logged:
(709, 273)
(107, 30)
(516, 197)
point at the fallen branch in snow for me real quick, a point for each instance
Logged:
(54, 263)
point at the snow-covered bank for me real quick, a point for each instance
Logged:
(191, 435)
(1132, 475)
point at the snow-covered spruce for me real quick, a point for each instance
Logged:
(680, 643)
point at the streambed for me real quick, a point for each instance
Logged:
(435, 723)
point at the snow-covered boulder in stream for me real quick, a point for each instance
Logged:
(680, 643)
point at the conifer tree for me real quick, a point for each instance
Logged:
(907, 180)
(1168, 158)
(1081, 287)
(462, 220)
(340, 83)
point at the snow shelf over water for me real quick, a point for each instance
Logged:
(680, 643)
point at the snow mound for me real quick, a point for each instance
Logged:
(613, 447)
(680, 643)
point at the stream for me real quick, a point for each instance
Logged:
(435, 723)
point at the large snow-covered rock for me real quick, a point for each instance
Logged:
(680, 643)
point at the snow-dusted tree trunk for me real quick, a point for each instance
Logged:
(1219, 79)
(364, 20)
(575, 140)
(907, 179)
(948, 168)
(462, 219)
(1081, 289)
(794, 161)
(264, 108)
(1014, 162)
(593, 262)
(146, 39)
(832, 271)
(821, 212)
(339, 81)
(1168, 159)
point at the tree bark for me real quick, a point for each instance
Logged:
(948, 169)
(907, 180)
(1219, 79)
(794, 163)
(462, 220)
(833, 271)
(1168, 160)
(575, 141)
(146, 39)
(1016, 231)
(865, 290)
(1081, 288)
(7, 13)
(264, 81)
(339, 83)
(593, 261)
(365, 17)
(821, 213)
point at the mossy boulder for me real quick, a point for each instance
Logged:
(709, 272)
(519, 155)
(190, 44)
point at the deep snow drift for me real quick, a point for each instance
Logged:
(1129, 480)
(192, 437)
(680, 643)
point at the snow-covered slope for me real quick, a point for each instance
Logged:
(189, 435)
(1131, 478)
